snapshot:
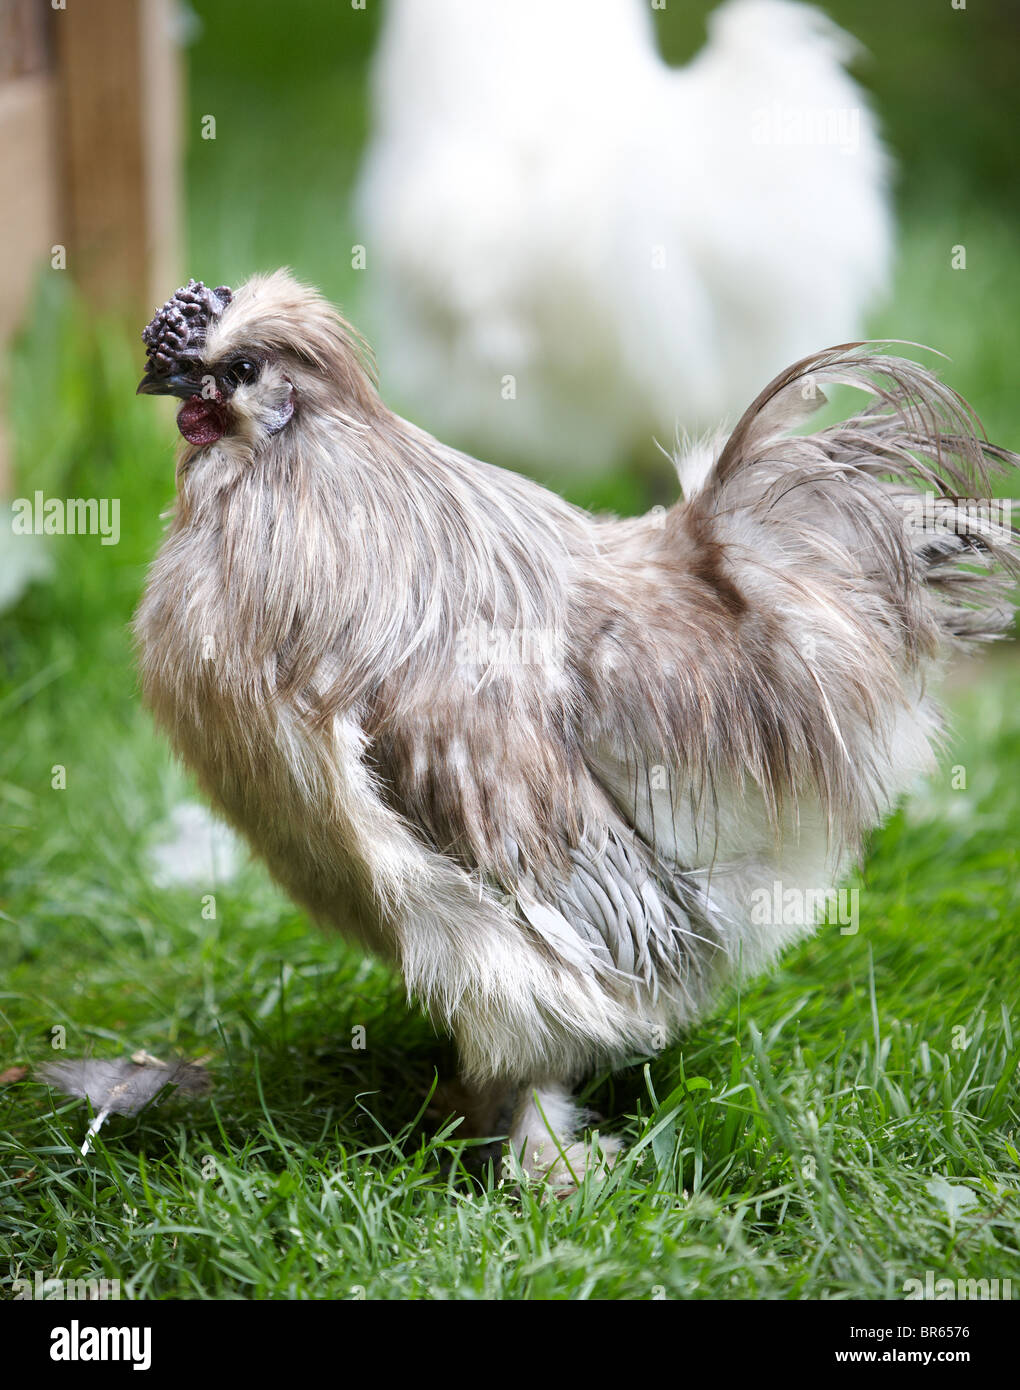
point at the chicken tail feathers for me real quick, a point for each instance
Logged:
(904, 487)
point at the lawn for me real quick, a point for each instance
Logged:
(832, 1131)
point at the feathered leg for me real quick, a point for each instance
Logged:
(543, 1134)
(487, 1108)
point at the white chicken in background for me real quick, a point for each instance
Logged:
(24, 560)
(573, 248)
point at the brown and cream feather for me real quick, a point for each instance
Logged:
(538, 759)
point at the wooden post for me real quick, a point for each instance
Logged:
(90, 147)
(28, 211)
(118, 127)
(28, 208)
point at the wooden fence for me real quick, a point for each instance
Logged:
(90, 138)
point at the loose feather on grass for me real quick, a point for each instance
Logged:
(124, 1086)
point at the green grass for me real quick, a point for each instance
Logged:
(847, 1124)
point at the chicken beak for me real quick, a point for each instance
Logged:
(177, 384)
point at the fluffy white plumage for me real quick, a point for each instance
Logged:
(544, 198)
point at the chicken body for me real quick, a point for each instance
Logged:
(570, 245)
(552, 766)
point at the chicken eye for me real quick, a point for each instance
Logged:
(242, 371)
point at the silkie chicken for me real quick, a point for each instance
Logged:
(569, 244)
(548, 763)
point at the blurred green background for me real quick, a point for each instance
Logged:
(289, 91)
(289, 96)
